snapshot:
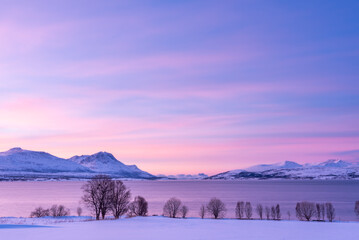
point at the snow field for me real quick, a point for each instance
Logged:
(178, 229)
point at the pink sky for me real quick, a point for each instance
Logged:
(181, 87)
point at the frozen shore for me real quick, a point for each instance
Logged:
(165, 228)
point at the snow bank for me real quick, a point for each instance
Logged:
(164, 228)
(43, 220)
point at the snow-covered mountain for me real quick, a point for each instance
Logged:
(335, 163)
(19, 164)
(104, 162)
(264, 167)
(17, 159)
(331, 169)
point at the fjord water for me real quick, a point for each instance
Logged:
(20, 198)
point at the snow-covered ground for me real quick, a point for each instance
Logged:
(159, 228)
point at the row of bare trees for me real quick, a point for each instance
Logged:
(102, 195)
(244, 210)
(306, 211)
(54, 211)
(217, 209)
(174, 207)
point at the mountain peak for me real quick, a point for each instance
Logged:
(334, 163)
(15, 150)
(290, 164)
(12, 151)
(104, 157)
(103, 154)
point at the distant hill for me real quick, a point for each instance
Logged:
(198, 176)
(331, 169)
(20, 164)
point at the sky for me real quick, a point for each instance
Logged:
(182, 86)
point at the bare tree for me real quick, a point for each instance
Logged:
(184, 211)
(248, 210)
(139, 207)
(322, 210)
(40, 212)
(79, 211)
(172, 207)
(107, 191)
(59, 211)
(318, 212)
(330, 211)
(273, 212)
(259, 210)
(216, 208)
(97, 195)
(288, 214)
(267, 211)
(53, 211)
(202, 211)
(119, 198)
(305, 210)
(356, 208)
(278, 214)
(240, 210)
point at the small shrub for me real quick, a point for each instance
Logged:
(79, 211)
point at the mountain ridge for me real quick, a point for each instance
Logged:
(20, 164)
(17, 163)
(330, 169)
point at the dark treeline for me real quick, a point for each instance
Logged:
(103, 196)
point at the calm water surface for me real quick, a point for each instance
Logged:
(20, 198)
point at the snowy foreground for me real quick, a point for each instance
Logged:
(164, 228)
